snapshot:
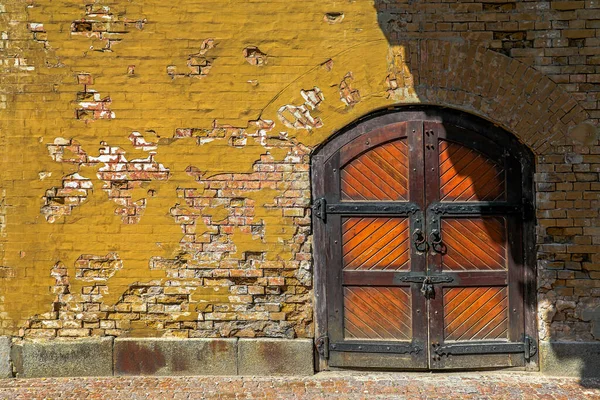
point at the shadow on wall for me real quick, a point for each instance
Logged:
(472, 178)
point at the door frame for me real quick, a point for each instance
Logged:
(462, 119)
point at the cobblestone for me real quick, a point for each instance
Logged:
(330, 385)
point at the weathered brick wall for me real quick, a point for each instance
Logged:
(155, 158)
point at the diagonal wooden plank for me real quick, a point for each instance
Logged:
(378, 174)
(487, 231)
(373, 170)
(475, 251)
(385, 309)
(467, 175)
(469, 250)
(371, 315)
(471, 296)
(375, 243)
(370, 240)
(366, 186)
(492, 188)
(495, 321)
(469, 180)
(355, 236)
(395, 251)
(477, 314)
(475, 247)
(463, 178)
(480, 313)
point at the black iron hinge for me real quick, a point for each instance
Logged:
(528, 347)
(362, 347)
(322, 344)
(321, 208)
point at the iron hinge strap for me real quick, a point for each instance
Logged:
(376, 348)
(321, 208)
(527, 347)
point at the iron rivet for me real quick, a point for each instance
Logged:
(334, 170)
(356, 208)
(335, 241)
(360, 347)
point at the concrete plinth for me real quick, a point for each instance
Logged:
(275, 357)
(168, 357)
(83, 357)
(578, 359)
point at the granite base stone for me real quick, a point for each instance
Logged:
(85, 357)
(576, 359)
(171, 357)
(275, 357)
(5, 362)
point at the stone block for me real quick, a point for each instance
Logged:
(275, 357)
(577, 359)
(168, 357)
(82, 357)
(5, 364)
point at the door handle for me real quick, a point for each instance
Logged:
(419, 240)
(435, 241)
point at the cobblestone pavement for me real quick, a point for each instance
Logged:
(328, 385)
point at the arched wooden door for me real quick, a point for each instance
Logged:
(421, 231)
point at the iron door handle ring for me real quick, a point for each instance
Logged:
(435, 240)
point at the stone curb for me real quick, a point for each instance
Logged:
(155, 357)
(5, 358)
(576, 359)
(172, 356)
(275, 357)
(83, 357)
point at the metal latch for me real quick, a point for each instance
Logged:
(431, 279)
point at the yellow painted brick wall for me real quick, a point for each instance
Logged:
(155, 155)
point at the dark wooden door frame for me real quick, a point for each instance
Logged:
(504, 140)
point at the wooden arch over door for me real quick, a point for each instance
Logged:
(423, 232)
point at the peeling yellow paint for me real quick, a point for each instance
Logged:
(149, 100)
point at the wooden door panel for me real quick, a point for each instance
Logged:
(375, 243)
(471, 251)
(474, 244)
(467, 175)
(476, 313)
(380, 173)
(377, 313)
